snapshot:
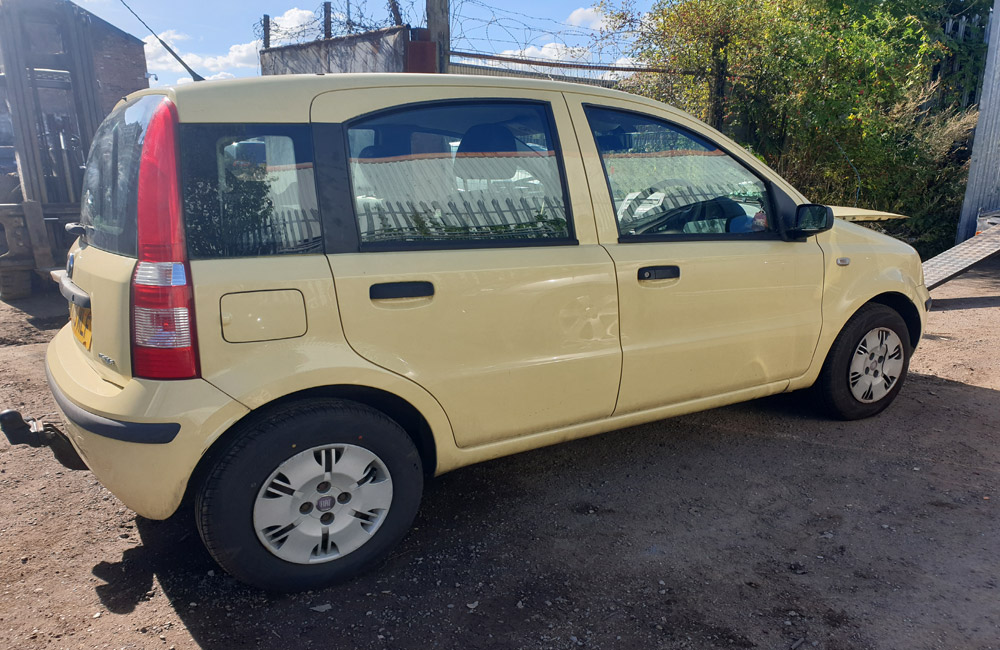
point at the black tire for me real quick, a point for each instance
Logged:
(225, 503)
(835, 381)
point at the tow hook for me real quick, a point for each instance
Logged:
(36, 434)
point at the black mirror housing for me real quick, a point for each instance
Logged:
(810, 219)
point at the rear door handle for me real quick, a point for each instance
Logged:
(391, 290)
(659, 273)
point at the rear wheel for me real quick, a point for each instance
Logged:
(867, 364)
(310, 495)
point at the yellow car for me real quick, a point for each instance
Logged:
(294, 298)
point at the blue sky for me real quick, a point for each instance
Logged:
(217, 39)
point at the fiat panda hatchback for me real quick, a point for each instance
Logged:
(295, 298)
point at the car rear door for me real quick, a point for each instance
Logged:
(712, 300)
(464, 260)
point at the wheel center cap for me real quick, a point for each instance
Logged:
(325, 503)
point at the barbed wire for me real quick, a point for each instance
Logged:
(510, 40)
(346, 18)
(505, 31)
(476, 26)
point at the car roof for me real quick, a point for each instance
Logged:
(287, 98)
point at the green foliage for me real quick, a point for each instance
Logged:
(818, 89)
(231, 220)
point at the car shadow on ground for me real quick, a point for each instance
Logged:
(45, 310)
(977, 302)
(705, 530)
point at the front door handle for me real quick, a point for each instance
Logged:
(391, 290)
(659, 273)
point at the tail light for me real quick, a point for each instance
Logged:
(164, 342)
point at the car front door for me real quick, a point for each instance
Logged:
(712, 300)
(462, 258)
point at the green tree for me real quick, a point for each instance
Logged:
(826, 93)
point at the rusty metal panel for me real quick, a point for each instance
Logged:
(15, 234)
(383, 50)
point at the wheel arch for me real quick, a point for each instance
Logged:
(396, 408)
(895, 300)
(905, 308)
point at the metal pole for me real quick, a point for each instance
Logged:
(327, 19)
(266, 24)
(982, 194)
(439, 26)
(397, 17)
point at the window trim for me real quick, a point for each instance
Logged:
(768, 235)
(337, 195)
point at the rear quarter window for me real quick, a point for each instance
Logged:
(110, 182)
(249, 190)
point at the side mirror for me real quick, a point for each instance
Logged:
(810, 219)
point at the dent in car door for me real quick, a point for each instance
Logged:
(466, 273)
(711, 299)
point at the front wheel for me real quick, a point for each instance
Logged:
(867, 364)
(310, 495)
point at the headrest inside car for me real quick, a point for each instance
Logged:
(487, 151)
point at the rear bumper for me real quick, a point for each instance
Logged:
(149, 433)
(143, 440)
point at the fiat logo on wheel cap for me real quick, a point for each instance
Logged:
(325, 503)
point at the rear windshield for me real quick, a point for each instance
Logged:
(249, 190)
(108, 207)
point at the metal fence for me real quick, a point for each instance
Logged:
(966, 30)
(494, 65)
(536, 217)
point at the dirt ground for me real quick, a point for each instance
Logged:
(761, 525)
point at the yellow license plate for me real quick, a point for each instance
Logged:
(79, 318)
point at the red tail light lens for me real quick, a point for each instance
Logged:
(164, 342)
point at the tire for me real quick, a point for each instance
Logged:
(872, 349)
(309, 495)
(15, 285)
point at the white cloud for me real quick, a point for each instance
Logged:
(242, 55)
(590, 18)
(221, 75)
(552, 52)
(157, 58)
(625, 62)
(183, 80)
(294, 19)
(159, 61)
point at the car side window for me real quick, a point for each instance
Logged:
(460, 174)
(249, 190)
(667, 181)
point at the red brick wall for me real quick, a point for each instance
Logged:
(119, 65)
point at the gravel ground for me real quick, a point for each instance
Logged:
(761, 525)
